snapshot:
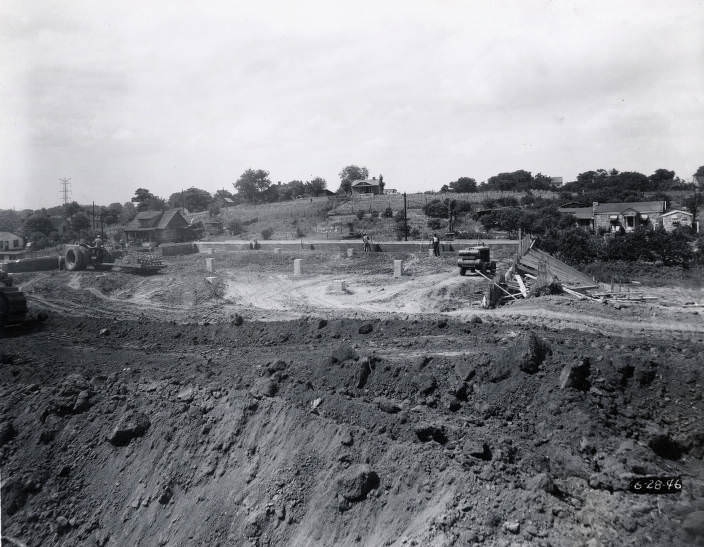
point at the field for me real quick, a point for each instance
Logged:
(345, 407)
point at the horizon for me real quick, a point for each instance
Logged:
(169, 96)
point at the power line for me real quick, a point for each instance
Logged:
(65, 189)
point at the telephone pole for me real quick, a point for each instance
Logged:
(405, 218)
(65, 189)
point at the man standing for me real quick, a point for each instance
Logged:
(367, 246)
(436, 245)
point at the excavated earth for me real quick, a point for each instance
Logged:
(377, 430)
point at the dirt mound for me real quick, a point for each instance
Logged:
(322, 432)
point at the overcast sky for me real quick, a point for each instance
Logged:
(167, 95)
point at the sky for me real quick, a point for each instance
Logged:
(169, 95)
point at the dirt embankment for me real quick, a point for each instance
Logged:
(345, 432)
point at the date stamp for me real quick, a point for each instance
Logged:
(655, 485)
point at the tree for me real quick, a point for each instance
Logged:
(251, 183)
(381, 183)
(193, 199)
(514, 181)
(462, 184)
(71, 209)
(112, 214)
(38, 222)
(80, 222)
(662, 179)
(699, 173)
(129, 211)
(146, 201)
(350, 174)
(317, 186)
(10, 221)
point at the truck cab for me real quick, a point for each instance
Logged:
(476, 259)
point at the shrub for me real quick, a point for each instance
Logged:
(434, 223)
(234, 226)
(267, 233)
(388, 212)
(375, 214)
(435, 209)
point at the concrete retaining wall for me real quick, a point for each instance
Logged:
(42, 263)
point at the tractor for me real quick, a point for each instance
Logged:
(79, 257)
(13, 304)
(476, 259)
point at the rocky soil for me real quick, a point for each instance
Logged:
(339, 431)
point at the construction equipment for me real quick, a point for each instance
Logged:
(80, 257)
(476, 259)
(13, 304)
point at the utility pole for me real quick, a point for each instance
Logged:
(698, 180)
(65, 189)
(93, 226)
(405, 218)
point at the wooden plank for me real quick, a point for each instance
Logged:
(521, 285)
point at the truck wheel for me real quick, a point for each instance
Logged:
(463, 271)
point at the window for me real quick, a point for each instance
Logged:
(16, 243)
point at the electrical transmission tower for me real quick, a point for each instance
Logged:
(65, 189)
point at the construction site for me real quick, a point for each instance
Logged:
(317, 394)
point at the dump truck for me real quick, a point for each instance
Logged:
(476, 259)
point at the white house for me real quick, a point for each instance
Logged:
(675, 219)
(10, 242)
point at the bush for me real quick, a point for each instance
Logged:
(235, 227)
(388, 213)
(573, 245)
(375, 214)
(299, 232)
(360, 214)
(435, 209)
(267, 233)
(434, 223)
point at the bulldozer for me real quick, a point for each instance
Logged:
(13, 304)
(80, 257)
(476, 259)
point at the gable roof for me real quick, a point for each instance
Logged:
(676, 211)
(368, 182)
(9, 235)
(154, 220)
(167, 217)
(638, 206)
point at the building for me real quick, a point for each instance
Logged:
(369, 186)
(556, 181)
(616, 217)
(213, 226)
(390, 191)
(10, 242)
(158, 227)
(675, 219)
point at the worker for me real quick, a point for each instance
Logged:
(367, 246)
(436, 245)
(98, 246)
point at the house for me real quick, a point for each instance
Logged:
(556, 181)
(390, 191)
(10, 242)
(675, 219)
(615, 217)
(158, 227)
(369, 186)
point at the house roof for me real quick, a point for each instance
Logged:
(4, 235)
(167, 217)
(579, 212)
(676, 211)
(368, 182)
(638, 206)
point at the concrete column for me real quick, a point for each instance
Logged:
(297, 262)
(209, 266)
(398, 268)
(430, 252)
(350, 253)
